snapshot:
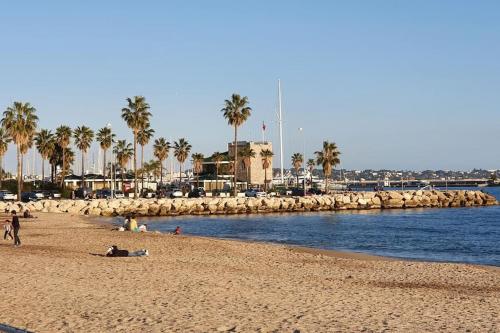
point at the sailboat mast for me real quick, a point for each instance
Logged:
(280, 121)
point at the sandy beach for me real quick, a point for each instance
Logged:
(59, 280)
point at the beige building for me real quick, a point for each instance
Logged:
(255, 174)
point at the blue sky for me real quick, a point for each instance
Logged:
(396, 84)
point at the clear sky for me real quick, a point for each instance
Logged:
(396, 84)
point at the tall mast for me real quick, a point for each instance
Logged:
(280, 122)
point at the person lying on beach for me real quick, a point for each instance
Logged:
(7, 227)
(27, 215)
(113, 251)
(177, 231)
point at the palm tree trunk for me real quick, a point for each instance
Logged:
(135, 164)
(142, 167)
(297, 173)
(180, 175)
(43, 171)
(326, 184)
(161, 172)
(104, 169)
(63, 167)
(19, 173)
(83, 169)
(1, 170)
(265, 179)
(217, 178)
(235, 159)
(197, 179)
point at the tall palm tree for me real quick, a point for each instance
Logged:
(143, 137)
(83, 139)
(123, 152)
(182, 148)
(136, 115)
(266, 156)
(63, 139)
(161, 148)
(69, 159)
(5, 139)
(311, 164)
(236, 111)
(197, 166)
(297, 160)
(217, 158)
(328, 158)
(45, 142)
(105, 137)
(246, 155)
(20, 121)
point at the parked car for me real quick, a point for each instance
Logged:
(255, 193)
(7, 196)
(314, 191)
(102, 194)
(83, 193)
(174, 193)
(197, 193)
(39, 194)
(297, 192)
(148, 194)
(29, 196)
(119, 194)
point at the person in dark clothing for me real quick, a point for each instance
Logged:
(16, 226)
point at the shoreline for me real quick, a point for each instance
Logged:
(200, 284)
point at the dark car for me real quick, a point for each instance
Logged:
(197, 193)
(83, 193)
(103, 194)
(28, 196)
(297, 192)
(314, 191)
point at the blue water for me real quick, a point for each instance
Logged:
(468, 235)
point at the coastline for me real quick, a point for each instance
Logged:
(201, 284)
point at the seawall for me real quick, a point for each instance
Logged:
(206, 206)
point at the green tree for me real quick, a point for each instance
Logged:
(297, 160)
(197, 166)
(311, 164)
(123, 152)
(20, 122)
(143, 137)
(236, 111)
(83, 140)
(182, 148)
(266, 156)
(45, 142)
(217, 157)
(63, 139)
(136, 115)
(5, 139)
(105, 137)
(246, 155)
(328, 158)
(161, 148)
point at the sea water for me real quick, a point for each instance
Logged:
(467, 235)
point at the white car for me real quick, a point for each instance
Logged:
(119, 195)
(174, 193)
(7, 196)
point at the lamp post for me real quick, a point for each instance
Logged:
(112, 165)
(301, 130)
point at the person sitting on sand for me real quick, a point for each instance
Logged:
(8, 230)
(126, 223)
(177, 231)
(27, 215)
(133, 224)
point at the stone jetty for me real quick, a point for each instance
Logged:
(216, 205)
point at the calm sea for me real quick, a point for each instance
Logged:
(467, 235)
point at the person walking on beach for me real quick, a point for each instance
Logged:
(16, 226)
(8, 230)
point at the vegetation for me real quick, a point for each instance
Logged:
(297, 160)
(161, 149)
(236, 111)
(311, 164)
(4, 144)
(328, 158)
(83, 139)
(63, 139)
(182, 148)
(197, 166)
(143, 137)
(246, 155)
(105, 138)
(217, 157)
(266, 156)
(45, 142)
(124, 153)
(136, 115)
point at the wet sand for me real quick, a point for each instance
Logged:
(59, 280)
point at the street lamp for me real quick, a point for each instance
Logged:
(112, 164)
(301, 130)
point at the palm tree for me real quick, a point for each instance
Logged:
(105, 138)
(45, 142)
(69, 159)
(297, 160)
(327, 158)
(266, 156)
(136, 115)
(20, 121)
(83, 139)
(236, 113)
(123, 152)
(5, 139)
(246, 155)
(182, 148)
(143, 137)
(311, 164)
(161, 148)
(197, 166)
(63, 139)
(217, 158)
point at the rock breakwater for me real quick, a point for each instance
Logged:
(215, 205)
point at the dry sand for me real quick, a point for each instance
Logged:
(57, 281)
